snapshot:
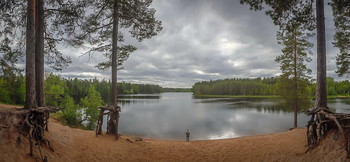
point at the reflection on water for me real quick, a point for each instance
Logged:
(169, 115)
(125, 100)
(339, 105)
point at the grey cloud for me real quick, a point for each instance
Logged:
(201, 40)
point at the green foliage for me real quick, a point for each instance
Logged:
(128, 88)
(296, 52)
(341, 37)
(287, 91)
(286, 14)
(60, 21)
(177, 89)
(12, 89)
(280, 86)
(54, 89)
(4, 93)
(136, 17)
(71, 113)
(293, 81)
(343, 87)
(12, 35)
(331, 89)
(237, 86)
(79, 88)
(90, 104)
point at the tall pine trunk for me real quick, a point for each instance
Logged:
(321, 92)
(114, 54)
(295, 81)
(39, 52)
(114, 120)
(30, 56)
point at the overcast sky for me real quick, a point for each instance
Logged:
(201, 40)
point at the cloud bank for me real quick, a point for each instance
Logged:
(201, 40)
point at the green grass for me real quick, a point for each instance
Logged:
(238, 96)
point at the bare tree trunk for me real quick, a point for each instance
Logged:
(295, 81)
(321, 92)
(113, 123)
(114, 54)
(30, 56)
(39, 52)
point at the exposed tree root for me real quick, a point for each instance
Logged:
(322, 120)
(33, 126)
(112, 120)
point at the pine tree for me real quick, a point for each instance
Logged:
(294, 77)
(341, 15)
(56, 15)
(286, 14)
(100, 30)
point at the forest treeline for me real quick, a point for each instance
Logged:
(78, 98)
(262, 86)
(12, 89)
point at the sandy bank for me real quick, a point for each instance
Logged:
(81, 145)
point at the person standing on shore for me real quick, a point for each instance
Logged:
(187, 135)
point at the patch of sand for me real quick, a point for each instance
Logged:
(72, 144)
(9, 106)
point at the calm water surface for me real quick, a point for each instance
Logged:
(168, 115)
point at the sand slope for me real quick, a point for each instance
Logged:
(72, 144)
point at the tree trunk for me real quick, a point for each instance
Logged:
(321, 92)
(114, 54)
(295, 81)
(39, 53)
(114, 120)
(100, 122)
(30, 56)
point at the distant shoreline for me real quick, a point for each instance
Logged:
(237, 96)
(260, 96)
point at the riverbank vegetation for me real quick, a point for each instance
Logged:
(78, 98)
(56, 88)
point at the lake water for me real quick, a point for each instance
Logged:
(167, 116)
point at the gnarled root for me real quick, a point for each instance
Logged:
(322, 120)
(34, 126)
